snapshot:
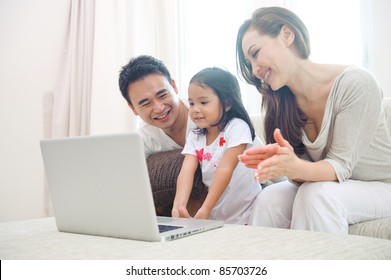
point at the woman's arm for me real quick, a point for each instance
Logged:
(286, 163)
(356, 111)
(252, 157)
(184, 186)
(221, 180)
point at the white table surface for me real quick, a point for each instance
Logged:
(40, 239)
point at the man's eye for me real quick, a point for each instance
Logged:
(145, 104)
(204, 102)
(162, 96)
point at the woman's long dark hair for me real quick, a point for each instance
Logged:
(226, 87)
(281, 107)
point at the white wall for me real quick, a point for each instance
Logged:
(381, 56)
(31, 36)
(30, 43)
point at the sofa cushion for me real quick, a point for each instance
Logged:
(387, 112)
(257, 122)
(164, 168)
(377, 228)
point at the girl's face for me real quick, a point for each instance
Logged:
(205, 107)
(269, 57)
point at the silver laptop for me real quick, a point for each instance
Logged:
(99, 185)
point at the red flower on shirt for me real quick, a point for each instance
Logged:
(200, 154)
(208, 156)
(222, 141)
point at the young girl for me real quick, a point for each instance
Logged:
(223, 132)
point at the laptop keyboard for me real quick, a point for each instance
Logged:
(163, 228)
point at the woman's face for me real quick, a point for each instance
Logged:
(268, 57)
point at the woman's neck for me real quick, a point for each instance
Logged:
(312, 81)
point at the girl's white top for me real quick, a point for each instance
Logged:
(235, 204)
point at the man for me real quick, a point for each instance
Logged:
(151, 93)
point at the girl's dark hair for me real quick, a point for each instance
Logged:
(226, 87)
(281, 107)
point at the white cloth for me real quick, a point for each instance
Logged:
(354, 139)
(235, 204)
(321, 206)
(39, 239)
(156, 140)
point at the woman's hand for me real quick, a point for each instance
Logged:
(283, 163)
(252, 157)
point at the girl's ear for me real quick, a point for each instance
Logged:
(227, 106)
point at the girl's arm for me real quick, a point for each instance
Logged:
(221, 180)
(184, 186)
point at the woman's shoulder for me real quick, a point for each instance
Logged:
(358, 75)
(355, 84)
(354, 79)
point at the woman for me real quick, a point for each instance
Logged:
(325, 129)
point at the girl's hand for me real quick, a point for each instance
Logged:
(175, 213)
(283, 163)
(180, 212)
(202, 213)
(254, 156)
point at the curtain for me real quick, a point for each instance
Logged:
(100, 38)
(125, 29)
(72, 94)
(67, 107)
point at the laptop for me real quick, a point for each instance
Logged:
(99, 185)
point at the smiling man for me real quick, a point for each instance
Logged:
(151, 93)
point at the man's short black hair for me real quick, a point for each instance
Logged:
(138, 68)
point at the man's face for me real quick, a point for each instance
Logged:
(155, 100)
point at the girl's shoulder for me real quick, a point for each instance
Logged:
(237, 128)
(236, 123)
